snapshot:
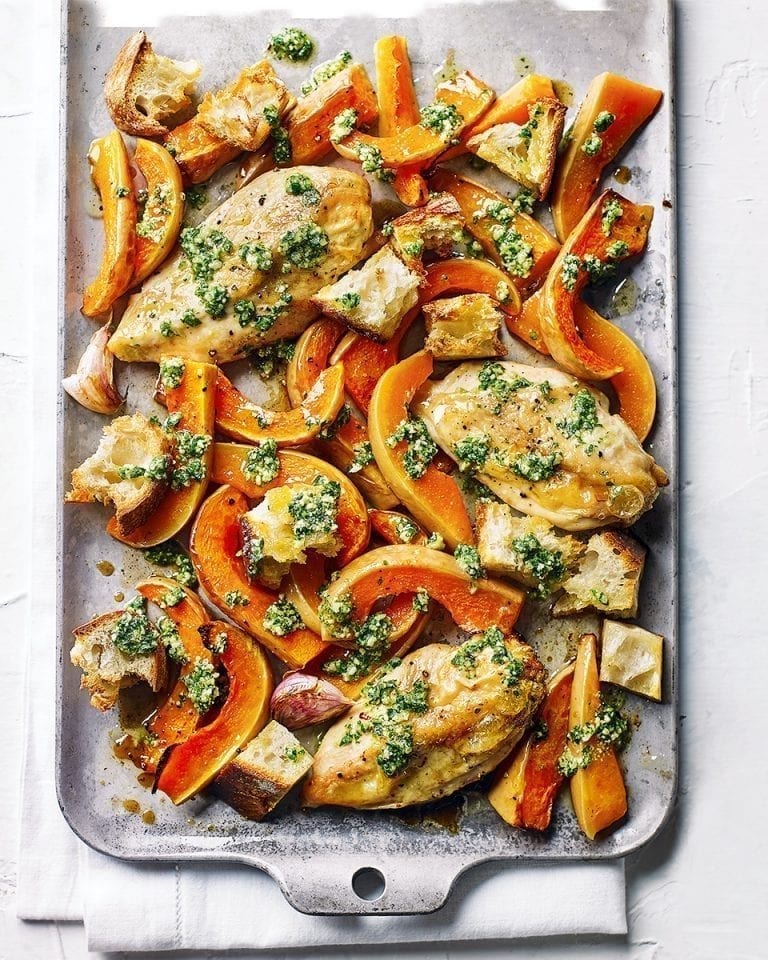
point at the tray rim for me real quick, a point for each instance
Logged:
(459, 864)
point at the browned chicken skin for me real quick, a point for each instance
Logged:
(440, 720)
(262, 213)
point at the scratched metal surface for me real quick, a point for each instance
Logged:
(314, 855)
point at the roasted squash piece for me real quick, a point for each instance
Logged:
(459, 102)
(111, 174)
(613, 109)
(189, 767)
(310, 123)
(526, 260)
(597, 791)
(525, 786)
(198, 153)
(431, 496)
(612, 230)
(392, 570)
(398, 110)
(177, 717)
(158, 228)
(310, 358)
(238, 417)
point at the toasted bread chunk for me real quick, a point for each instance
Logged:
(631, 658)
(236, 113)
(274, 537)
(263, 773)
(127, 442)
(144, 89)
(106, 670)
(434, 226)
(527, 549)
(607, 578)
(375, 297)
(464, 328)
(527, 154)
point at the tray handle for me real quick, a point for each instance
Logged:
(360, 885)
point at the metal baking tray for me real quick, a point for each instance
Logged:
(314, 855)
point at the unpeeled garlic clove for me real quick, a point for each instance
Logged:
(301, 699)
(93, 384)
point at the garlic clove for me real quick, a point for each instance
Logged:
(301, 700)
(93, 385)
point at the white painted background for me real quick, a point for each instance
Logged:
(700, 891)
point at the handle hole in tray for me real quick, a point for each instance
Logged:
(369, 883)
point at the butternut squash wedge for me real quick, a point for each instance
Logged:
(597, 791)
(434, 499)
(111, 174)
(240, 419)
(624, 106)
(189, 767)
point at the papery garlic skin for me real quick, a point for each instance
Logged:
(93, 384)
(301, 700)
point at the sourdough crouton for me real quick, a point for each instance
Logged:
(527, 549)
(289, 521)
(607, 578)
(144, 89)
(434, 226)
(464, 328)
(631, 658)
(129, 470)
(527, 154)
(238, 113)
(263, 772)
(106, 669)
(373, 298)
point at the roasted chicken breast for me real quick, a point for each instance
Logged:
(422, 730)
(544, 442)
(245, 275)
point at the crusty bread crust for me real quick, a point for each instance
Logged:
(126, 440)
(161, 85)
(607, 579)
(261, 775)
(532, 164)
(106, 671)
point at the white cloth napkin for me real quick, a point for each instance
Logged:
(200, 906)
